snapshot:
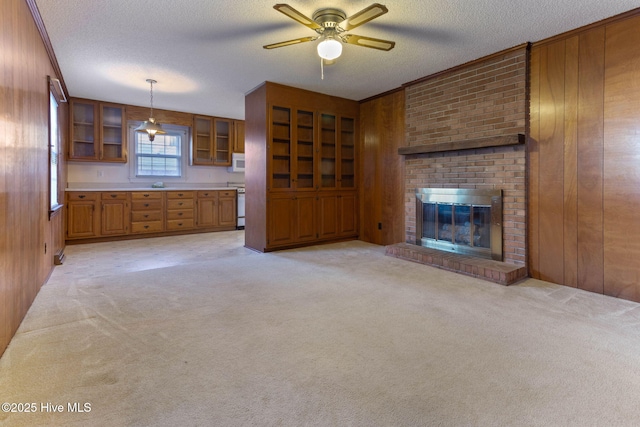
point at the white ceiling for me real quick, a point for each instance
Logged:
(207, 54)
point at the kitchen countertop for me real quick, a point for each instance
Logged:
(150, 189)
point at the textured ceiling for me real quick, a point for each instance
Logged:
(206, 54)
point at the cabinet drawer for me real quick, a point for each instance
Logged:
(180, 204)
(114, 195)
(146, 216)
(208, 194)
(180, 214)
(177, 224)
(146, 205)
(146, 227)
(227, 193)
(150, 195)
(179, 194)
(85, 195)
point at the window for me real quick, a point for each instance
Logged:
(164, 157)
(54, 144)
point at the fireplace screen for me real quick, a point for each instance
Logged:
(460, 220)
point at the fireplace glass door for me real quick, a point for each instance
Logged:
(461, 223)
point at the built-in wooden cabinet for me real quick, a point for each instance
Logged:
(104, 215)
(216, 208)
(213, 141)
(180, 210)
(238, 142)
(115, 216)
(147, 212)
(97, 131)
(302, 165)
(83, 220)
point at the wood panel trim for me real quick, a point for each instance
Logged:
(461, 67)
(37, 18)
(607, 21)
(468, 144)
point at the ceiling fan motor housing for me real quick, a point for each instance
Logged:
(329, 17)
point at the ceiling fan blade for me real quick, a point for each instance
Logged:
(364, 16)
(296, 16)
(290, 42)
(368, 42)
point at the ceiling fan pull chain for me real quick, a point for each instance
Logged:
(322, 68)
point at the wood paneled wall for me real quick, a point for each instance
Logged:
(584, 158)
(25, 227)
(382, 179)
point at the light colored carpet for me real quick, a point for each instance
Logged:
(198, 330)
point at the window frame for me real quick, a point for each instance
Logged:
(54, 156)
(183, 131)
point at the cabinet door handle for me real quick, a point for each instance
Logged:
(82, 196)
(146, 226)
(180, 194)
(146, 205)
(179, 213)
(114, 195)
(145, 195)
(180, 204)
(146, 216)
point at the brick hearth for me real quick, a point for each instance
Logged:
(494, 271)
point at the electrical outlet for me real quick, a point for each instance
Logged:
(100, 174)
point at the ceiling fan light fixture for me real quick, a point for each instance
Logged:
(150, 126)
(329, 48)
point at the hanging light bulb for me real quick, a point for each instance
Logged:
(329, 48)
(150, 126)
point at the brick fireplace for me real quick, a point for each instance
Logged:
(465, 129)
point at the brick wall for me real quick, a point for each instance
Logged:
(486, 98)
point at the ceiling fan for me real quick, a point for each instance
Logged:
(331, 24)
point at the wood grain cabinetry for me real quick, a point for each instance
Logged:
(302, 164)
(216, 208)
(180, 210)
(213, 141)
(109, 215)
(147, 212)
(238, 141)
(97, 131)
(83, 219)
(115, 216)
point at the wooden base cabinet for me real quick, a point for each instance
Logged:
(302, 165)
(83, 220)
(116, 217)
(216, 208)
(292, 219)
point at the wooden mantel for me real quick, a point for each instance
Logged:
(467, 144)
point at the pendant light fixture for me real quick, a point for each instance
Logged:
(150, 126)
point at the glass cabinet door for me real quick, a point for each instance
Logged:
(222, 143)
(347, 153)
(328, 151)
(112, 133)
(84, 135)
(202, 141)
(305, 150)
(280, 169)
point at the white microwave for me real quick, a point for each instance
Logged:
(237, 162)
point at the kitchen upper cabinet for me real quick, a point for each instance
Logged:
(213, 141)
(97, 131)
(238, 141)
